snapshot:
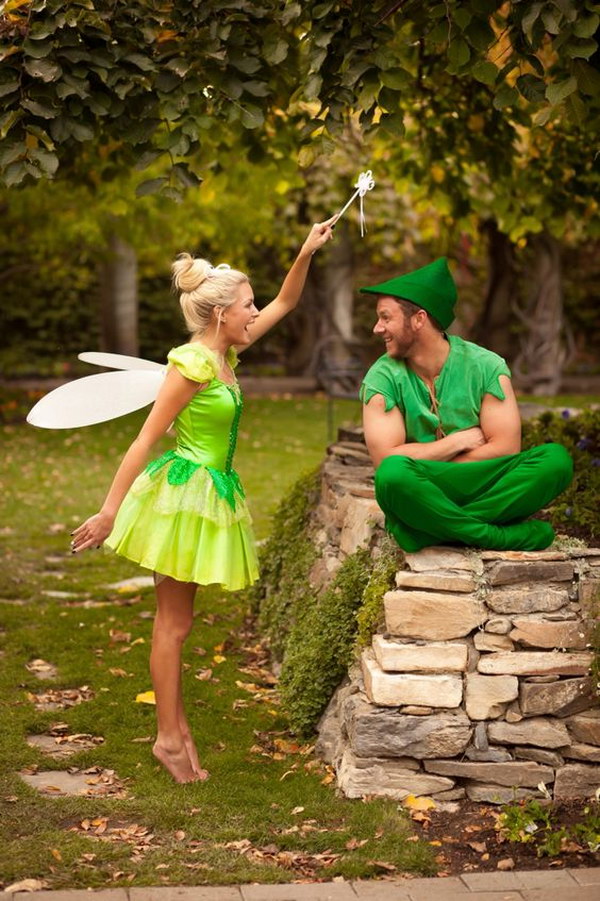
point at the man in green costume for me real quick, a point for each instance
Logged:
(443, 429)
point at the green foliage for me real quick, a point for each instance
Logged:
(535, 822)
(320, 644)
(149, 80)
(575, 511)
(330, 629)
(315, 634)
(285, 561)
(383, 569)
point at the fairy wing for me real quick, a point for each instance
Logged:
(118, 361)
(97, 398)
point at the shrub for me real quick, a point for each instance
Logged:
(575, 511)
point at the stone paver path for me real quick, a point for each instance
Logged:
(534, 885)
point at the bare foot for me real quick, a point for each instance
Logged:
(201, 774)
(176, 761)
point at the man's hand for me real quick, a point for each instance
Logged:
(469, 439)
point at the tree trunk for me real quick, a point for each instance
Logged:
(119, 299)
(542, 355)
(339, 284)
(495, 325)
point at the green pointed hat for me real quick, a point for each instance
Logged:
(430, 287)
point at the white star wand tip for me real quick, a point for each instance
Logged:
(365, 183)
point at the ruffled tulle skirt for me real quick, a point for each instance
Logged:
(188, 521)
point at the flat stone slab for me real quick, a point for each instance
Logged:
(486, 697)
(314, 891)
(520, 556)
(434, 657)
(537, 731)
(432, 615)
(397, 689)
(506, 572)
(381, 732)
(184, 893)
(93, 782)
(536, 663)
(60, 698)
(41, 669)
(585, 727)
(385, 778)
(61, 746)
(431, 559)
(133, 584)
(111, 894)
(577, 780)
(439, 581)
(537, 632)
(530, 599)
(517, 773)
(562, 698)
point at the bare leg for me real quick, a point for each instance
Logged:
(172, 625)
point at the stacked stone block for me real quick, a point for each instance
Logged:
(480, 682)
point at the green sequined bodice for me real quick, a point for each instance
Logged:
(207, 431)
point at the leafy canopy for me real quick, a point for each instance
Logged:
(157, 79)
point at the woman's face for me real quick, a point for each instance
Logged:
(239, 316)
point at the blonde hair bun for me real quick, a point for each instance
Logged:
(189, 273)
(203, 287)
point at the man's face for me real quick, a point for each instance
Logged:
(394, 327)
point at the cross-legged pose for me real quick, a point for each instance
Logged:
(443, 429)
(184, 515)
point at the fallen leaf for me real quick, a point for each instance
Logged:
(418, 803)
(507, 863)
(480, 847)
(204, 675)
(145, 697)
(382, 865)
(355, 843)
(218, 658)
(297, 810)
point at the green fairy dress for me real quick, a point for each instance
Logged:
(185, 515)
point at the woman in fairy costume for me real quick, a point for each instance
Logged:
(184, 515)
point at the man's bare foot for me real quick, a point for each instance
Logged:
(201, 774)
(176, 761)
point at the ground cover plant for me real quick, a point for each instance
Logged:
(269, 812)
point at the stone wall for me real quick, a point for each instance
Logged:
(479, 684)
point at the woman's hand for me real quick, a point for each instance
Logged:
(92, 532)
(319, 234)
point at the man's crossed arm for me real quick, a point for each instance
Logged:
(498, 433)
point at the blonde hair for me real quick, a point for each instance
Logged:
(203, 288)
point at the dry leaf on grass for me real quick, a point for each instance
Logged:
(145, 697)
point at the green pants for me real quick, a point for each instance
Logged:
(483, 504)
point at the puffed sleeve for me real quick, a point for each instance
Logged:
(195, 362)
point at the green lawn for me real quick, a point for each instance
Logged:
(269, 812)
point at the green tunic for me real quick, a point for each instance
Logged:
(469, 373)
(483, 503)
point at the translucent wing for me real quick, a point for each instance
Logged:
(97, 398)
(118, 361)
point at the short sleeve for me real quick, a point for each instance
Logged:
(496, 366)
(195, 362)
(379, 380)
